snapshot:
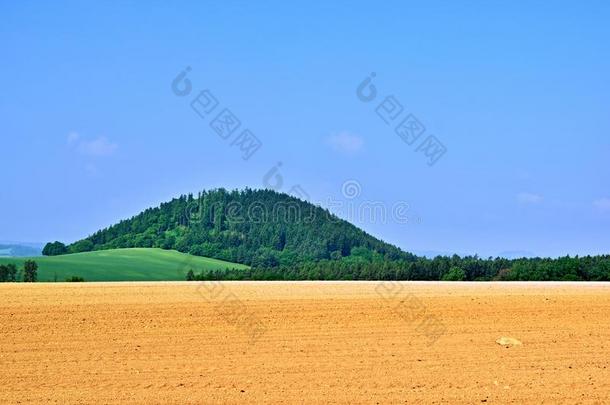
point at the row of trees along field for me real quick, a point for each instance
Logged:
(10, 273)
(441, 268)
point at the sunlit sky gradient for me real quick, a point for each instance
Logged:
(518, 93)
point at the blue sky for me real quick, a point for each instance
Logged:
(517, 92)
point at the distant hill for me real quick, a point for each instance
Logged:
(19, 249)
(123, 265)
(252, 227)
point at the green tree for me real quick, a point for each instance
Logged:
(12, 272)
(30, 271)
(190, 276)
(84, 245)
(8, 273)
(454, 274)
(54, 249)
(3, 273)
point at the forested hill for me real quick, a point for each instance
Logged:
(260, 228)
(282, 237)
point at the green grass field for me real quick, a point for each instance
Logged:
(135, 264)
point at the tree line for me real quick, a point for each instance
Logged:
(455, 268)
(9, 272)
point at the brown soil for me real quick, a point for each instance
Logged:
(304, 342)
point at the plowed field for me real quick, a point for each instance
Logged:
(304, 342)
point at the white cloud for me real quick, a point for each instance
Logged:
(602, 204)
(346, 142)
(529, 198)
(73, 138)
(99, 146)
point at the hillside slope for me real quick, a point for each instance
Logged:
(123, 265)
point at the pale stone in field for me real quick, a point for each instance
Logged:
(508, 341)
